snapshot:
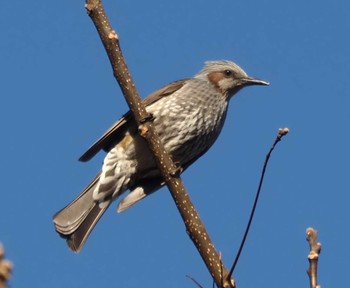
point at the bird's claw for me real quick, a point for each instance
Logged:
(148, 118)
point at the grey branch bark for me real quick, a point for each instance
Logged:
(194, 226)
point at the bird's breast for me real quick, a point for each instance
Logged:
(189, 123)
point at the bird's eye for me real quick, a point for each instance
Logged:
(228, 73)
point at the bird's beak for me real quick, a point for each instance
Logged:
(252, 81)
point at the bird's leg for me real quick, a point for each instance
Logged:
(177, 171)
(148, 118)
(143, 129)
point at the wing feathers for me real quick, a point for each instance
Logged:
(118, 129)
(107, 138)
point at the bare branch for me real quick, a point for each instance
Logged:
(315, 250)
(281, 132)
(5, 268)
(194, 281)
(194, 226)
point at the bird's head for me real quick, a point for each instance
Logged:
(227, 77)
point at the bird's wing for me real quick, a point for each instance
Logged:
(164, 91)
(107, 138)
(117, 130)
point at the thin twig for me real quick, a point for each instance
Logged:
(194, 226)
(281, 132)
(195, 281)
(315, 250)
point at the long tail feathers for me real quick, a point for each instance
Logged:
(76, 221)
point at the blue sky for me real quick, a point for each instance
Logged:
(59, 96)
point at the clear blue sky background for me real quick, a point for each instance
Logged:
(59, 96)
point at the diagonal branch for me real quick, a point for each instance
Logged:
(195, 228)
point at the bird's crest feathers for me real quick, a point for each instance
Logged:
(222, 65)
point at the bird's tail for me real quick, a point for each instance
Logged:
(76, 221)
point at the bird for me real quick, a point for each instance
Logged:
(188, 116)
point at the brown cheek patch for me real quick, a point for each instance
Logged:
(215, 78)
